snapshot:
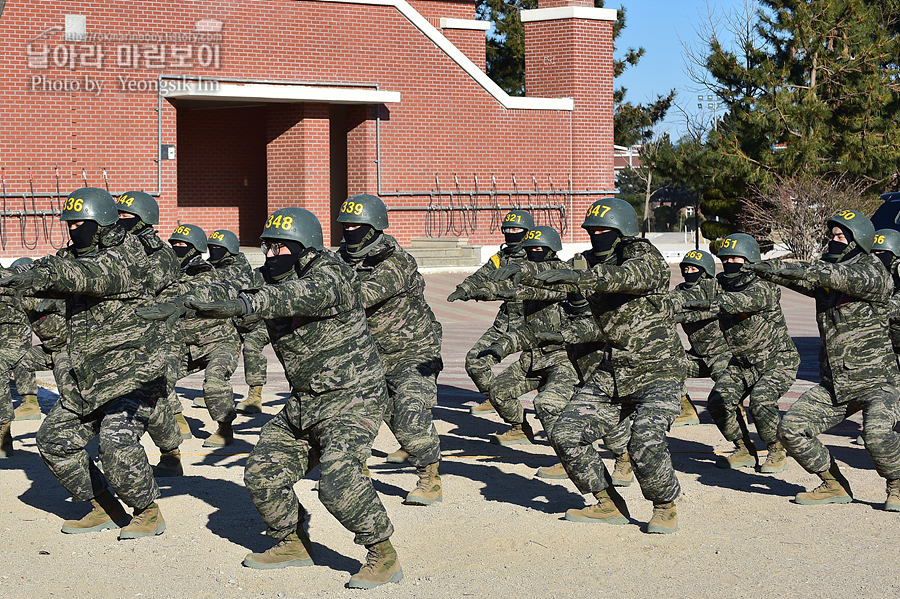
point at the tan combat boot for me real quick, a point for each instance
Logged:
(483, 408)
(169, 464)
(776, 461)
(739, 458)
(555, 471)
(609, 509)
(688, 414)
(518, 434)
(382, 566)
(28, 409)
(623, 474)
(183, 426)
(6, 446)
(664, 520)
(293, 550)
(106, 510)
(830, 491)
(253, 403)
(397, 457)
(146, 523)
(893, 496)
(223, 436)
(199, 402)
(428, 489)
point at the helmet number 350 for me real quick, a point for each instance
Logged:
(279, 222)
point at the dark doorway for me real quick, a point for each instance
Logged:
(338, 127)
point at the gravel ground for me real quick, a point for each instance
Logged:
(499, 531)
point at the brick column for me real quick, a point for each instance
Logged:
(569, 53)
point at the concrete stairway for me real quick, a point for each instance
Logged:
(433, 252)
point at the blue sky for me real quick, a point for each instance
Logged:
(661, 27)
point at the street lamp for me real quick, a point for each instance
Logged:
(712, 103)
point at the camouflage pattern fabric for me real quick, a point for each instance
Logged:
(709, 354)
(408, 338)
(508, 317)
(894, 309)
(218, 361)
(15, 341)
(253, 334)
(319, 333)
(592, 414)
(120, 423)
(857, 364)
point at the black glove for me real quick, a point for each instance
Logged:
(558, 275)
(221, 309)
(510, 271)
(459, 294)
(549, 337)
(760, 268)
(790, 271)
(162, 311)
(21, 280)
(701, 304)
(480, 294)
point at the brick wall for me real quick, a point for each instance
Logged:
(446, 128)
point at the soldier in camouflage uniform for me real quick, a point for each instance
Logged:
(114, 363)
(138, 213)
(764, 359)
(886, 248)
(407, 335)
(311, 305)
(232, 265)
(24, 369)
(709, 354)
(15, 342)
(515, 226)
(857, 364)
(626, 282)
(209, 346)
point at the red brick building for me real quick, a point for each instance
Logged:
(227, 111)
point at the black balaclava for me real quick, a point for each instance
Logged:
(360, 237)
(131, 225)
(85, 237)
(691, 277)
(184, 253)
(217, 253)
(839, 251)
(539, 253)
(887, 258)
(514, 238)
(603, 243)
(732, 268)
(278, 267)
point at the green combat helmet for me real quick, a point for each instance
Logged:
(742, 245)
(517, 219)
(140, 204)
(90, 203)
(542, 236)
(190, 234)
(226, 239)
(364, 209)
(612, 213)
(886, 240)
(294, 224)
(702, 260)
(858, 224)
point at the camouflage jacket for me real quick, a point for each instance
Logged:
(198, 332)
(236, 269)
(628, 297)
(317, 326)
(15, 332)
(112, 350)
(752, 322)
(894, 307)
(48, 315)
(164, 269)
(392, 292)
(511, 313)
(700, 326)
(852, 303)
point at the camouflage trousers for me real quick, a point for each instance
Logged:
(24, 371)
(341, 445)
(764, 385)
(555, 385)
(120, 424)
(255, 364)
(815, 412)
(712, 367)
(479, 368)
(219, 361)
(9, 357)
(412, 394)
(591, 415)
